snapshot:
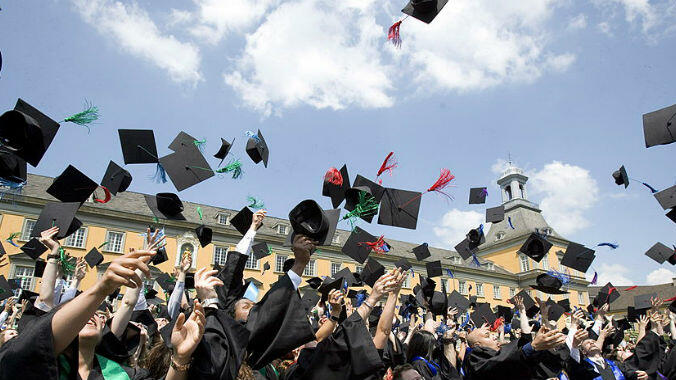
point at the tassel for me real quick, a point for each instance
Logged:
(367, 206)
(564, 278)
(66, 266)
(449, 273)
(470, 288)
(360, 298)
(611, 245)
(475, 261)
(199, 212)
(652, 189)
(86, 117)
(160, 174)
(200, 144)
(107, 196)
(484, 192)
(509, 220)
(466, 321)
(498, 322)
(255, 203)
(254, 136)
(389, 164)
(393, 34)
(11, 238)
(105, 243)
(444, 179)
(234, 167)
(334, 177)
(670, 299)
(594, 279)
(379, 246)
(631, 288)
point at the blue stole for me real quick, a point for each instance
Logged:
(431, 365)
(616, 371)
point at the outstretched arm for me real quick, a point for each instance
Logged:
(45, 300)
(384, 328)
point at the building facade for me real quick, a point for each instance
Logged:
(122, 222)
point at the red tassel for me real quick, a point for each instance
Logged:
(333, 176)
(106, 198)
(670, 299)
(375, 246)
(631, 288)
(393, 34)
(496, 325)
(389, 164)
(444, 179)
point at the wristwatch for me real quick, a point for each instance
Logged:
(335, 318)
(179, 367)
(210, 302)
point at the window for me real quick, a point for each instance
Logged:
(490, 266)
(523, 261)
(251, 263)
(358, 268)
(545, 262)
(335, 268)
(27, 230)
(77, 239)
(220, 254)
(512, 292)
(461, 287)
(25, 274)
(499, 235)
(115, 242)
(407, 283)
(336, 239)
(581, 299)
(279, 263)
(496, 292)
(457, 260)
(281, 229)
(224, 219)
(310, 268)
(480, 290)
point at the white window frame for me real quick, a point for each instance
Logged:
(74, 237)
(251, 262)
(407, 283)
(358, 268)
(218, 252)
(581, 299)
(109, 247)
(227, 219)
(545, 261)
(282, 229)
(335, 268)
(523, 262)
(512, 292)
(497, 294)
(279, 263)
(310, 268)
(336, 239)
(462, 287)
(29, 276)
(479, 289)
(26, 235)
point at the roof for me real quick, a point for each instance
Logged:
(129, 202)
(664, 291)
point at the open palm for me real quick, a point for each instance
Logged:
(187, 333)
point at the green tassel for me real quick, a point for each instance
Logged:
(199, 212)
(367, 206)
(156, 219)
(105, 243)
(66, 266)
(255, 203)
(234, 167)
(86, 117)
(200, 144)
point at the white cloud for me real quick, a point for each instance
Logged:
(456, 223)
(578, 22)
(604, 27)
(500, 166)
(560, 62)
(215, 18)
(315, 53)
(660, 276)
(654, 18)
(615, 273)
(567, 192)
(132, 29)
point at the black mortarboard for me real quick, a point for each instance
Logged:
(672, 307)
(477, 195)
(165, 282)
(565, 304)
(314, 282)
(666, 197)
(116, 179)
(40, 266)
(160, 256)
(93, 257)
(578, 257)
(150, 293)
(27, 295)
(138, 146)
(607, 294)
(355, 246)
(672, 215)
(549, 284)
(165, 206)
(528, 302)
(145, 318)
(165, 333)
(535, 247)
(427, 286)
(72, 186)
(27, 132)
(337, 192)
(659, 127)
(190, 281)
(424, 10)
(242, 220)
(346, 274)
(403, 264)
(372, 272)
(186, 167)
(12, 167)
(309, 219)
(224, 149)
(5, 289)
(309, 300)
(353, 196)
(633, 314)
(58, 214)
(266, 266)
(433, 268)
(642, 301)
(422, 252)
(183, 141)
(661, 253)
(505, 312)
(330, 284)
(376, 190)
(204, 234)
(438, 303)
(495, 214)
(260, 250)
(620, 176)
(623, 324)
(464, 249)
(458, 301)
(483, 314)
(399, 208)
(476, 237)
(257, 149)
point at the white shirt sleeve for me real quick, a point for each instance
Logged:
(596, 328)
(244, 245)
(68, 295)
(574, 352)
(3, 317)
(141, 303)
(295, 279)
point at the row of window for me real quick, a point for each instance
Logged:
(525, 265)
(78, 239)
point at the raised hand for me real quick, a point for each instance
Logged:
(186, 262)
(656, 302)
(205, 282)
(608, 330)
(80, 268)
(518, 302)
(601, 313)
(257, 220)
(152, 240)
(120, 272)
(47, 238)
(577, 316)
(9, 304)
(545, 340)
(187, 334)
(452, 312)
(302, 248)
(579, 337)
(336, 298)
(382, 285)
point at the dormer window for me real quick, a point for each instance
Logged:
(282, 229)
(499, 235)
(224, 219)
(336, 239)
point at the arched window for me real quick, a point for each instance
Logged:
(521, 190)
(508, 189)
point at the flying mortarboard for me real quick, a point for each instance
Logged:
(330, 284)
(607, 294)
(400, 208)
(360, 202)
(565, 304)
(72, 186)
(535, 247)
(40, 266)
(578, 257)
(355, 246)
(505, 312)
(266, 266)
(477, 195)
(642, 301)
(672, 215)
(424, 10)
(661, 253)
(260, 250)
(138, 146)
(483, 314)
(372, 272)
(549, 284)
(528, 302)
(314, 282)
(633, 314)
(93, 257)
(422, 252)
(33, 248)
(309, 219)
(347, 275)
(476, 237)
(186, 167)
(667, 197)
(621, 177)
(12, 167)
(337, 192)
(160, 256)
(204, 235)
(376, 190)
(5, 289)
(242, 220)
(403, 264)
(165, 206)
(116, 179)
(495, 214)
(458, 301)
(555, 311)
(183, 141)
(257, 149)
(659, 127)
(224, 149)
(433, 269)
(309, 300)
(58, 214)
(27, 132)
(464, 249)
(438, 303)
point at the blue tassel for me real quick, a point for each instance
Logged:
(360, 298)
(481, 228)
(595, 279)
(11, 187)
(465, 322)
(254, 136)
(611, 245)
(449, 273)
(160, 174)
(564, 278)
(509, 220)
(475, 261)
(652, 189)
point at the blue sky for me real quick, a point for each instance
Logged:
(559, 85)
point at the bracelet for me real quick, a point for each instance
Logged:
(334, 318)
(180, 367)
(210, 302)
(54, 256)
(367, 304)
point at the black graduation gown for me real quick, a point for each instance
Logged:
(277, 324)
(648, 355)
(507, 363)
(668, 365)
(349, 353)
(551, 362)
(232, 275)
(392, 357)
(221, 350)
(586, 371)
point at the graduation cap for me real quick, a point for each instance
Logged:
(495, 214)
(145, 318)
(457, 300)
(535, 247)
(620, 176)
(27, 295)
(242, 220)
(347, 275)
(257, 149)
(376, 190)
(266, 266)
(607, 294)
(433, 269)
(372, 271)
(355, 246)
(659, 127)
(309, 300)
(160, 256)
(165, 206)
(93, 257)
(528, 302)
(661, 253)
(424, 10)
(464, 249)
(565, 304)
(439, 303)
(403, 264)
(427, 286)
(400, 208)
(5, 289)
(672, 215)
(477, 195)
(72, 186)
(309, 219)
(330, 284)
(58, 214)
(12, 167)
(314, 282)
(190, 281)
(260, 250)
(549, 284)
(116, 179)
(224, 149)
(555, 311)
(666, 197)
(204, 235)
(578, 257)
(138, 146)
(505, 312)
(642, 301)
(336, 188)
(27, 132)
(483, 314)
(184, 141)
(40, 266)
(476, 237)
(422, 252)
(186, 167)
(633, 313)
